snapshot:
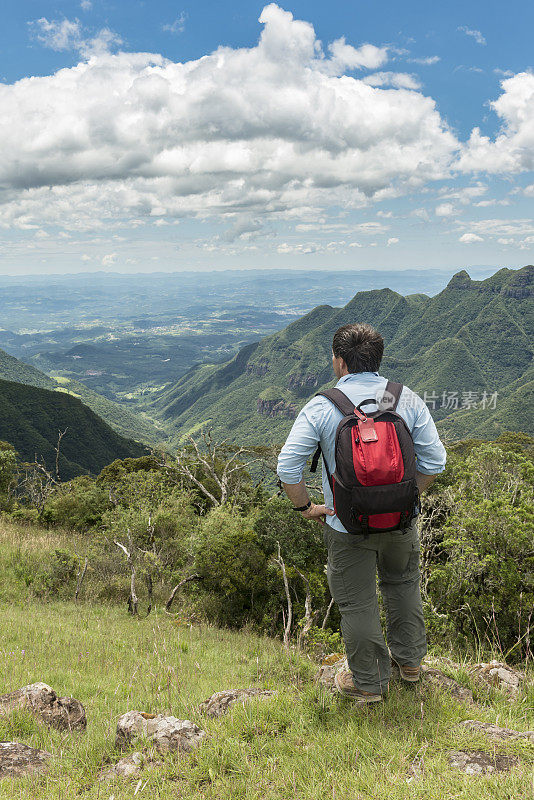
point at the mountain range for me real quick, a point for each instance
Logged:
(469, 348)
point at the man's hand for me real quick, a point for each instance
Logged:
(317, 513)
(298, 494)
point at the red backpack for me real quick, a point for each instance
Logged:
(374, 485)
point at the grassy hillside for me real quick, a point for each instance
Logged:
(30, 419)
(473, 336)
(303, 743)
(125, 422)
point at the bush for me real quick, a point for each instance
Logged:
(233, 568)
(482, 570)
(77, 505)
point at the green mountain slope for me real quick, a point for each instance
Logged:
(474, 336)
(125, 422)
(31, 418)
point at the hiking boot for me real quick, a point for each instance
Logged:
(344, 684)
(410, 674)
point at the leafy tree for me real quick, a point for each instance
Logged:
(482, 565)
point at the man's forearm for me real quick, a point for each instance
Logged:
(297, 493)
(423, 481)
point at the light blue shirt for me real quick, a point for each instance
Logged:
(318, 421)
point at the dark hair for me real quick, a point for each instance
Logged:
(360, 347)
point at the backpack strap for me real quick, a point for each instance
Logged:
(339, 399)
(395, 389)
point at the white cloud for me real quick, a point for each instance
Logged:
(109, 259)
(86, 257)
(178, 26)
(392, 240)
(270, 129)
(425, 61)
(503, 73)
(86, 5)
(344, 56)
(528, 191)
(470, 238)
(399, 80)
(513, 149)
(500, 240)
(477, 35)
(62, 34)
(68, 35)
(444, 210)
(503, 227)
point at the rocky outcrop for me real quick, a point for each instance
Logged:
(167, 733)
(521, 284)
(219, 703)
(330, 666)
(127, 767)
(276, 408)
(436, 678)
(495, 732)
(476, 762)
(18, 760)
(500, 675)
(302, 384)
(64, 713)
(257, 368)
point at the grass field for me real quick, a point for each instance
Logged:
(302, 743)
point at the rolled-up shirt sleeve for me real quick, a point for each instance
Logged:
(429, 450)
(300, 444)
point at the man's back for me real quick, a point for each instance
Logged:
(318, 421)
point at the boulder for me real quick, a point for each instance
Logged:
(494, 732)
(476, 762)
(167, 733)
(18, 760)
(434, 677)
(64, 713)
(500, 675)
(220, 702)
(330, 666)
(128, 767)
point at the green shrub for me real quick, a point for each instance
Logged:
(482, 570)
(233, 568)
(76, 505)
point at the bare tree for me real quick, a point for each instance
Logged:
(218, 462)
(80, 579)
(178, 586)
(133, 601)
(288, 620)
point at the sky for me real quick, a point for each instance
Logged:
(158, 136)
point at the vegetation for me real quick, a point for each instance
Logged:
(303, 742)
(199, 521)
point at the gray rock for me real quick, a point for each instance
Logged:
(17, 760)
(434, 677)
(64, 713)
(476, 762)
(220, 702)
(167, 733)
(128, 767)
(500, 675)
(494, 732)
(329, 668)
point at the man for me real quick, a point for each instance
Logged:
(353, 559)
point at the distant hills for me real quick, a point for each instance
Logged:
(31, 418)
(473, 337)
(125, 422)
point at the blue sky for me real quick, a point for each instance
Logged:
(164, 136)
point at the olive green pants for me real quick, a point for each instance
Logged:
(352, 567)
